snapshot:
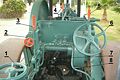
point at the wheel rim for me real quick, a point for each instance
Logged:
(84, 32)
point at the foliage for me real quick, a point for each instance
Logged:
(92, 4)
(104, 1)
(55, 1)
(112, 2)
(12, 9)
(113, 31)
(117, 9)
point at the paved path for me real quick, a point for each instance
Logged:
(112, 69)
(13, 44)
(14, 47)
(13, 29)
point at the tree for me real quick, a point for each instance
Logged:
(104, 6)
(55, 1)
(4, 1)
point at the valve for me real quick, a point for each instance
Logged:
(13, 71)
(29, 42)
(86, 34)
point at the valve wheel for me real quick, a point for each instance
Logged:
(29, 42)
(13, 71)
(85, 33)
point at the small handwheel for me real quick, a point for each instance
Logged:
(86, 40)
(13, 71)
(29, 42)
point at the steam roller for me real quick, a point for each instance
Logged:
(60, 48)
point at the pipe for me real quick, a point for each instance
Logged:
(78, 7)
(78, 70)
(50, 5)
(58, 48)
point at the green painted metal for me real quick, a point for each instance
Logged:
(67, 33)
(13, 71)
(85, 32)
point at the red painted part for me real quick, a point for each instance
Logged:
(62, 7)
(89, 13)
(29, 42)
(34, 22)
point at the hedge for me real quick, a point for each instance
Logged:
(12, 9)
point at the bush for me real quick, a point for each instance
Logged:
(12, 9)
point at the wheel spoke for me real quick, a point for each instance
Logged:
(9, 75)
(89, 29)
(99, 34)
(94, 43)
(16, 74)
(2, 71)
(12, 64)
(19, 70)
(81, 36)
(86, 46)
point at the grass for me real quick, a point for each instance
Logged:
(113, 32)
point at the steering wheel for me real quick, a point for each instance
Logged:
(86, 39)
(12, 71)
